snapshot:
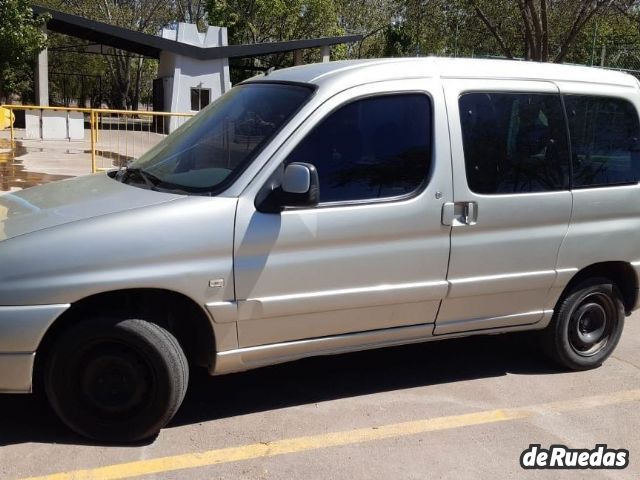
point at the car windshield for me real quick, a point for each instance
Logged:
(210, 150)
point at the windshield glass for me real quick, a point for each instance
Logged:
(208, 151)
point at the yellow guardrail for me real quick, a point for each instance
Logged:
(115, 136)
(122, 135)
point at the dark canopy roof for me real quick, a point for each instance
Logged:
(152, 45)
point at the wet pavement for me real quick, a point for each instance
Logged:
(29, 162)
(13, 173)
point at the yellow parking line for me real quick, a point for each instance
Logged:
(315, 442)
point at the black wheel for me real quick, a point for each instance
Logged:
(116, 380)
(586, 325)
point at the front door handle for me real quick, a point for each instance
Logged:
(456, 214)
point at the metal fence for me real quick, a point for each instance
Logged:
(123, 135)
(623, 57)
(111, 138)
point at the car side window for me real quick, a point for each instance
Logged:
(373, 148)
(605, 135)
(514, 142)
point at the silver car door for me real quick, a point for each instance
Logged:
(368, 260)
(512, 202)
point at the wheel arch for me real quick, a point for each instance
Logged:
(174, 311)
(622, 274)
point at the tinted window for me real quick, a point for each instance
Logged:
(200, 98)
(373, 148)
(604, 140)
(205, 97)
(514, 143)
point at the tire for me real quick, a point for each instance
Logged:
(586, 326)
(116, 380)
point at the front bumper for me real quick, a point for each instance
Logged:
(21, 331)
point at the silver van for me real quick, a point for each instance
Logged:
(323, 209)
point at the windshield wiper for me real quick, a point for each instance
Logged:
(153, 182)
(149, 179)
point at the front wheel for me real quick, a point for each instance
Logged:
(586, 326)
(116, 380)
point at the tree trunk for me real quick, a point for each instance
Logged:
(582, 17)
(120, 70)
(493, 29)
(544, 21)
(535, 26)
(135, 97)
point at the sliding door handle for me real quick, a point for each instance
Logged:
(470, 213)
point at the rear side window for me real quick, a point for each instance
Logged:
(604, 140)
(370, 149)
(514, 142)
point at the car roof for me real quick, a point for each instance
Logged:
(353, 72)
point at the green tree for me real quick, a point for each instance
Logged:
(542, 30)
(192, 11)
(373, 19)
(398, 41)
(126, 74)
(21, 38)
(75, 76)
(258, 21)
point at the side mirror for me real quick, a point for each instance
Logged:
(300, 186)
(296, 185)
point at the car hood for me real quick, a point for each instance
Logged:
(66, 201)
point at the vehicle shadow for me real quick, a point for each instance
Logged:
(27, 418)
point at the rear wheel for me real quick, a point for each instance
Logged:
(586, 326)
(116, 380)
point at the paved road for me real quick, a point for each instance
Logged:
(455, 409)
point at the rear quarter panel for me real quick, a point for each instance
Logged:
(605, 221)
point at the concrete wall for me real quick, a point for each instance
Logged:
(180, 73)
(54, 125)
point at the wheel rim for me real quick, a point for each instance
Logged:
(591, 324)
(114, 379)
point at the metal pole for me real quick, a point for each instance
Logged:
(455, 45)
(92, 123)
(11, 117)
(604, 54)
(593, 47)
(325, 53)
(455, 48)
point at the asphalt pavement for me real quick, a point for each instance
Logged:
(454, 409)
